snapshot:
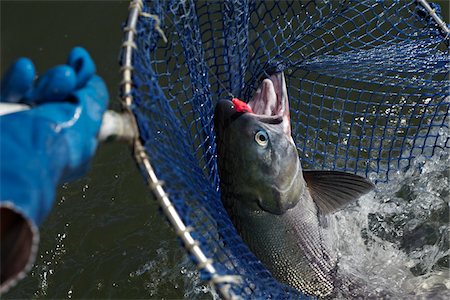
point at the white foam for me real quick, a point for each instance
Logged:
(384, 239)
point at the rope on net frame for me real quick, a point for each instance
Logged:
(220, 282)
(228, 280)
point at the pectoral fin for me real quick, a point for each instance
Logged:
(332, 190)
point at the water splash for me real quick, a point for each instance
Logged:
(394, 241)
(158, 276)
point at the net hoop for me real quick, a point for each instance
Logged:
(221, 283)
(442, 26)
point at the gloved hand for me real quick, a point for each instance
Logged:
(43, 146)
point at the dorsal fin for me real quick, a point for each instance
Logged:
(332, 190)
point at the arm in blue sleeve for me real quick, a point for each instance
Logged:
(40, 147)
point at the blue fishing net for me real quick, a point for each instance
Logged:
(368, 84)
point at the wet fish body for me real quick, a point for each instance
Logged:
(274, 204)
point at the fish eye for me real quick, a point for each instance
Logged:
(262, 138)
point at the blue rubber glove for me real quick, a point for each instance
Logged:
(52, 142)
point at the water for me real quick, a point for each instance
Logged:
(105, 237)
(395, 239)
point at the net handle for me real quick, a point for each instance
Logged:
(114, 127)
(222, 283)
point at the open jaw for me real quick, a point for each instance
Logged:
(270, 102)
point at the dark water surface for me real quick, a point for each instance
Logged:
(105, 237)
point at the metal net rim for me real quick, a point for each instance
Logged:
(221, 283)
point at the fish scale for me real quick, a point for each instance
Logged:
(290, 245)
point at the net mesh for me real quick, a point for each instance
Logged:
(367, 82)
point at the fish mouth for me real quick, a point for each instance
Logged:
(270, 103)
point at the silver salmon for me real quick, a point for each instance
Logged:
(276, 206)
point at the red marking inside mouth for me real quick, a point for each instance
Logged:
(241, 106)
